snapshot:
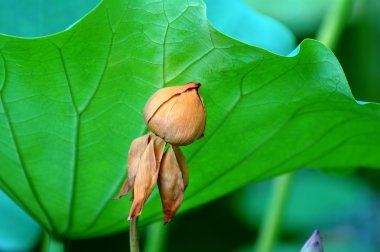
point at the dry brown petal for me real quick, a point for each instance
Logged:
(159, 145)
(170, 184)
(176, 114)
(182, 165)
(147, 173)
(136, 150)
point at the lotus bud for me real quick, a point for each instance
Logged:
(172, 181)
(176, 114)
(314, 244)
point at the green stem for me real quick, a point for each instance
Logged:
(156, 238)
(270, 226)
(134, 235)
(51, 244)
(334, 22)
(329, 34)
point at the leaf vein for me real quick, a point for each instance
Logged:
(75, 143)
(20, 158)
(263, 174)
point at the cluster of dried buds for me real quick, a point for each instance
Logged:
(176, 116)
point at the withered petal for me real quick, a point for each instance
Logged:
(147, 174)
(170, 184)
(136, 150)
(182, 165)
(136, 208)
(159, 145)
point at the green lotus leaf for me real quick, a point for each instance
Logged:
(71, 103)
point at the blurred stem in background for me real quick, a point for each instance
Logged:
(333, 24)
(51, 244)
(156, 238)
(329, 34)
(56, 245)
(271, 224)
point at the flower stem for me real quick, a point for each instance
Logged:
(134, 236)
(156, 237)
(51, 244)
(329, 34)
(270, 225)
(334, 22)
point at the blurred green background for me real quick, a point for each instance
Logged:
(345, 209)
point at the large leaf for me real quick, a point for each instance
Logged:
(71, 103)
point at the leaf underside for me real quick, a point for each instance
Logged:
(71, 103)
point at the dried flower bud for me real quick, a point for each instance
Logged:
(172, 181)
(314, 244)
(176, 114)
